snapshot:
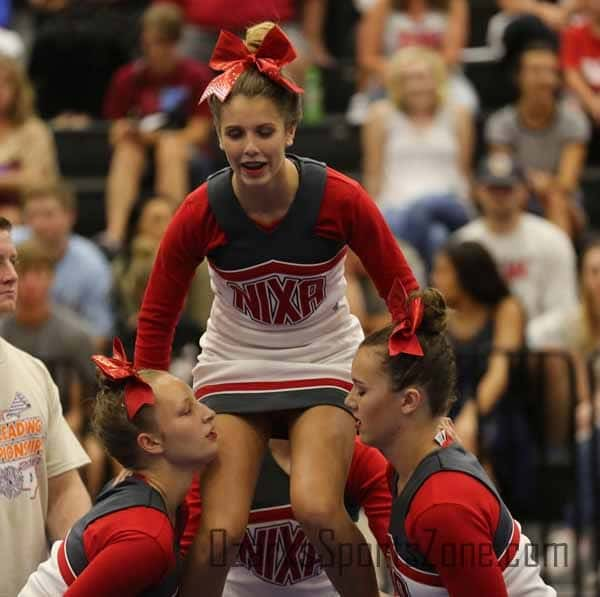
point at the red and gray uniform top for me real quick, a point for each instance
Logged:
(132, 513)
(451, 534)
(280, 333)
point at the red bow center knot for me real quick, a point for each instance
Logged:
(407, 314)
(118, 368)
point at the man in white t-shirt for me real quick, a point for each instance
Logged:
(534, 255)
(41, 493)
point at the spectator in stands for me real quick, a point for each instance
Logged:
(27, 151)
(51, 333)
(363, 298)
(76, 48)
(390, 25)
(41, 494)
(546, 136)
(131, 278)
(484, 321)
(555, 15)
(145, 230)
(535, 256)
(576, 327)
(577, 331)
(82, 280)
(153, 103)
(304, 27)
(417, 150)
(580, 55)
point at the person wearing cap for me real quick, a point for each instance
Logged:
(534, 255)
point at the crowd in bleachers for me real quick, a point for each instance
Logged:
(474, 124)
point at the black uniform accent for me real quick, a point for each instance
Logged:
(453, 458)
(292, 240)
(130, 493)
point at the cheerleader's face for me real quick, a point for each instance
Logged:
(186, 427)
(254, 136)
(372, 401)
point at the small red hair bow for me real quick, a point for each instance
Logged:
(407, 315)
(117, 368)
(233, 57)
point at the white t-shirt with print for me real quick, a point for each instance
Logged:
(537, 259)
(36, 444)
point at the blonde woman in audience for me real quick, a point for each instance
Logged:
(417, 149)
(27, 150)
(387, 26)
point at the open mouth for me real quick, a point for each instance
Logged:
(212, 435)
(254, 168)
(357, 424)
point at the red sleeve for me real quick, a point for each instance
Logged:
(192, 233)
(126, 567)
(118, 100)
(367, 483)
(452, 521)
(570, 55)
(348, 213)
(193, 503)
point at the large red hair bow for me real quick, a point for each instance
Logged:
(233, 57)
(407, 315)
(118, 368)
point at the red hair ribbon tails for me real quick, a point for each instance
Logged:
(233, 57)
(407, 314)
(118, 368)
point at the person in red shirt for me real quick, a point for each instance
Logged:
(276, 354)
(153, 103)
(450, 532)
(305, 26)
(125, 545)
(580, 58)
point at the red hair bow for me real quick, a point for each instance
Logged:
(118, 368)
(407, 315)
(232, 56)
